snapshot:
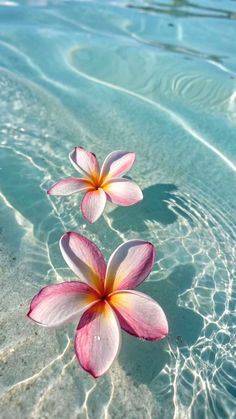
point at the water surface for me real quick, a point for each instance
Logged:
(158, 78)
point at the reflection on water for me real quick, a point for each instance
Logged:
(157, 78)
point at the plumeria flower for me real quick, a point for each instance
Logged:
(98, 184)
(103, 301)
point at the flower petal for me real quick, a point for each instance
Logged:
(117, 164)
(69, 186)
(84, 258)
(129, 265)
(97, 339)
(123, 192)
(93, 204)
(139, 315)
(85, 162)
(58, 304)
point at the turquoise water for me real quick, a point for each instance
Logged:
(157, 78)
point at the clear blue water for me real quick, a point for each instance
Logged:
(158, 78)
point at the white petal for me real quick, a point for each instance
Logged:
(59, 304)
(97, 340)
(129, 265)
(117, 164)
(123, 192)
(84, 258)
(93, 204)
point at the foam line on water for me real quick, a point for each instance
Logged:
(25, 156)
(29, 62)
(20, 219)
(175, 117)
(221, 67)
(109, 223)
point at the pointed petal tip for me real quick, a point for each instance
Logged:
(76, 147)
(28, 314)
(93, 375)
(50, 190)
(161, 335)
(88, 370)
(97, 376)
(68, 234)
(85, 216)
(90, 221)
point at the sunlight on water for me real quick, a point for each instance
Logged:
(157, 78)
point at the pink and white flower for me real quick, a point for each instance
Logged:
(98, 184)
(103, 302)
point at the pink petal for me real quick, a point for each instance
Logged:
(84, 258)
(69, 186)
(86, 162)
(139, 315)
(97, 339)
(117, 164)
(58, 304)
(123, 192)
(129, 265)
(93, 204)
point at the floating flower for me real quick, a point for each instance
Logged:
(100, 184)
(103, 302)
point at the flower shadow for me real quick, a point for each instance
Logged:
(143, 361)
(155, 206)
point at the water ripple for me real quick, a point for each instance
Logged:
(159, 88)
(174, 116)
